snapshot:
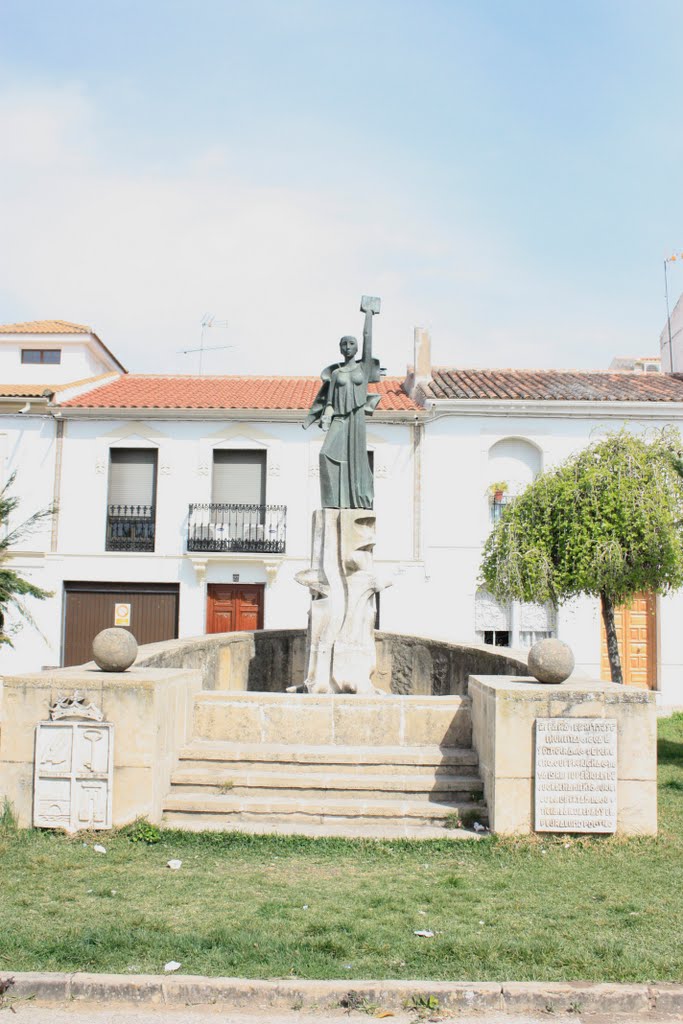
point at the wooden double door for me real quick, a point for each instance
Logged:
(231, 607)
(637, 636)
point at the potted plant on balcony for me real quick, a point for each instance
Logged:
(497, 490)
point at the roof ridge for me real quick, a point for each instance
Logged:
(532, 369)
(22, 325)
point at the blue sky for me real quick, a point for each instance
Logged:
(508, 174)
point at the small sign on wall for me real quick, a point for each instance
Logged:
(122, 615)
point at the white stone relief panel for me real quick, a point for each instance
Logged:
(73, 775)
(52, 808)
(488, 613)
(54, 747)
(537, 617)
(576, 775)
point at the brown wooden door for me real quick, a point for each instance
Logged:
(234, 606)
(636, 634)
(90, 608)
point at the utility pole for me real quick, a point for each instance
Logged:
(669, 259)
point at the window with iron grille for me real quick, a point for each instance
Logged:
(131, 501)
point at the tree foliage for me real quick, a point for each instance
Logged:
(607, 522)
(13, 587)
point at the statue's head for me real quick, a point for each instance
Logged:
(348, 346)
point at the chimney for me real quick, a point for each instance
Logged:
(422, 357)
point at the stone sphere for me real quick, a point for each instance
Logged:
(551, 661)
(114, 650)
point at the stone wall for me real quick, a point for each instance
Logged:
(270, 660)
(504, 712)
(151, 711)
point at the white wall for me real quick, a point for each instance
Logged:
(185, 457)
(27, 449)
(457, 471)
(432, 595)
(78, 361)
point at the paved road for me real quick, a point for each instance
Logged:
(85, 1013)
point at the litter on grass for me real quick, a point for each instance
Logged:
(99, 849)
(172, 965)
(424, 933)
(174, 865)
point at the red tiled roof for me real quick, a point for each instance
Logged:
(135, 391)
(42, 389)
(45, 327)
(559, 385)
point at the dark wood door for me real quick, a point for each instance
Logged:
(91, 607)
(234, 606)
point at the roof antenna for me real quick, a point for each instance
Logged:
(208, 321)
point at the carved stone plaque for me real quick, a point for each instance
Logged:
(576, 775)
(74, 767)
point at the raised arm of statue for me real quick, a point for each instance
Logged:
(368, 305)
(366, 357)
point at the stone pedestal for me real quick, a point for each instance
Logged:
(150, 709)
(340, 655)
(505, 713)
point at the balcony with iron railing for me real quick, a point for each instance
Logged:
(496, 508)
(130, 527)
(223, 527)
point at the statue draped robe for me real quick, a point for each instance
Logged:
(345, 476)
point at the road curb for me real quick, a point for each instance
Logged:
(579, 997)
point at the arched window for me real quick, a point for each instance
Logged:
(513, 464)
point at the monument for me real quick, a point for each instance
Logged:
(73, 768)
(340, 652)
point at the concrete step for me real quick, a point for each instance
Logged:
(179, 808)
(361, 785)
(388, 831)
(332, 757)
(334, 719)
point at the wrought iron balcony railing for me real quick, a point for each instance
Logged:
(219, 527)
(497, 508)
(130, 527)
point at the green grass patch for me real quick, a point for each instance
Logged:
(266, 907)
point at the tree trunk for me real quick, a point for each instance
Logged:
(611, 634)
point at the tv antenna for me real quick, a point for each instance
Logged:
(208, 321)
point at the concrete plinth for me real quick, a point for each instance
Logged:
(504, 712)
(151, 710)
(319, 719)
(340, 649)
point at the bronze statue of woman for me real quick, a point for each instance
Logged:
(340, 408)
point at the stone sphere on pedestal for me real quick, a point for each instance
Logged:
(551, 661)
(114, 649)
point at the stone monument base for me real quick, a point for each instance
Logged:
(505, 711)
(340, 649)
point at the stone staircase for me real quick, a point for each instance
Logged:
(251, 767)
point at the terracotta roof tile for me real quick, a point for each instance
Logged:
(40, 389)
(558, 385)
(135, 391)
(45, 327)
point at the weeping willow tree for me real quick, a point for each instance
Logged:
(13, 587)
(608, 522)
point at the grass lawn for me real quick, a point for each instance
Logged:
(544, 909)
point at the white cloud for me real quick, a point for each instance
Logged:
(140, 256)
